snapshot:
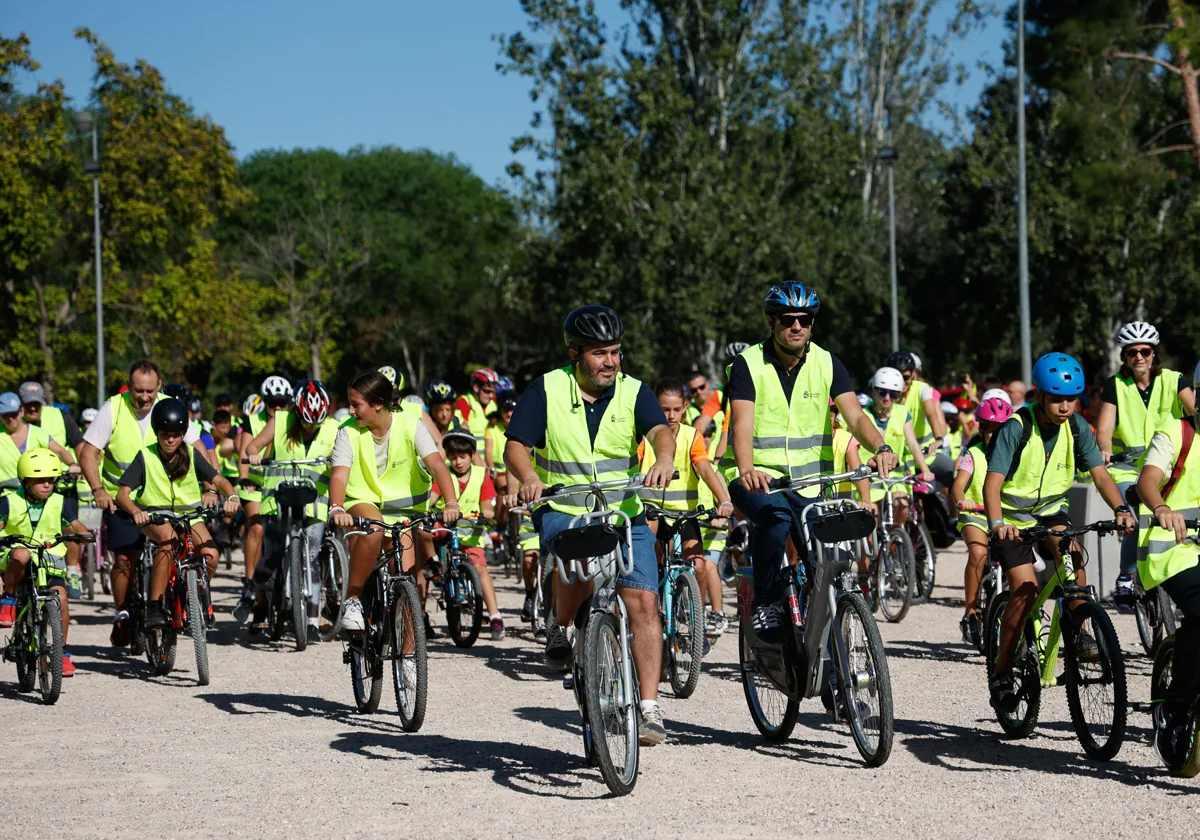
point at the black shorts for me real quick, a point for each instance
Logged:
(121, 534)
(1011, 554)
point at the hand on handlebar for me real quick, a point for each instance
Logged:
(141, 518)
(209, 499)
(1171, 521)
(927, 477)
(1107, 456)
(755, 481)
(339, 518)
(660, 475)
(1126, 523)
(75, 470)
(867, 504)
(232, 505)
(1005, 532)
(530, 492)
(451, 513)
(253, 460)
(105, 501)
(884, 462)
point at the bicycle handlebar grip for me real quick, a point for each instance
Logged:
(265, 462)
(553, 490)
(780, 483)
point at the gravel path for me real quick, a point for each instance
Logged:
(273, 748)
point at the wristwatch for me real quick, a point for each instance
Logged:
(1124, 509)
(884, 448)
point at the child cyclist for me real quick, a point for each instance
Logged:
(966, 495)
(693, 466)
(35, 511)
(169, 476)
(476, 500)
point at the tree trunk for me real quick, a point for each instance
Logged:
(43, 336)
(1188, 75)
(314, 359)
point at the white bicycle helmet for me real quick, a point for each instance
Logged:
(341, 415)
(995, 393)
(253, 405)
(949, 408)
(89, 415)
(1137, 332)
(888, 379)
(277, 387)
(414, 399)
(916, 361)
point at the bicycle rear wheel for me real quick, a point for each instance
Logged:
(297, 568)
(1027, 679)
(24, 654)
(410, 667)
(197, 626)
(866, 684)
(685, 647)
(773, 712)
(925, 561)
(464, 608)
(1096, 690)
(50, 652)
(335, 573)
(894, 576)
(613, 721)
(89, 571)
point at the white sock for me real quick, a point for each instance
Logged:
(493, 617)
(647, 705)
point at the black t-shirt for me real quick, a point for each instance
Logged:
(741, 385)
(528, 423)
(135, 477)
(1108, 393)
(70, 511)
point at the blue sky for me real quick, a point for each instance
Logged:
(307, 73)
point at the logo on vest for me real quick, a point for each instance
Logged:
(813, 395)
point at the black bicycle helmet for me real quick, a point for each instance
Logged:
(461, 435)
(169, 416)
(901, 360)
(179, 391)
(438, 391)
(506, 401)
(592, 324)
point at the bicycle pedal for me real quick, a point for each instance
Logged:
(346, 657)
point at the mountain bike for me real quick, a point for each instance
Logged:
(1155, 613)
(1096, 690)
(91, 558)
(924, 551)
(395, 628)
(36, 645)
(832, 643)
(603, 678)
(680, 604)
(893, 573)
(186, 600)
(991, 584)
(461, 594)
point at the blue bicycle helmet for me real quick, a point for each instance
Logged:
(791, 296)
(1058, 373)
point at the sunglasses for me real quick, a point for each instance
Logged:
(887, 395)
(907, 374)
(8, 417)
(278, 402)
(805, 319)
(1134, 352)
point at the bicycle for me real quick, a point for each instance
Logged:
(461, 593)
(36, 645)
(1155, 614)
(680, 605)
(850, 664)
(893, 564)
(991, 584)
(395, 629)
(924, 551)
(1092, 688)
(603, 677)
(543, 574)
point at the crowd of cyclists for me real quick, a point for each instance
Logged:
(993, 453)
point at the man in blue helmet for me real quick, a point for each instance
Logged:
(1031, 466)
(779, 392)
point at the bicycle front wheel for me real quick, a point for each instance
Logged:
(24, 651)
(297, 568)
(925, 558)
(773, 711)
(50, 652)
(89, 571)
(685, 647)
(613, 718)
(410, 667)
(1096, 686)
(1027, 678)
(464, 610)
(894, 576)
(865, 682)
(335, 574)
(197, 626)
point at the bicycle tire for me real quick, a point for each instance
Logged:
(686, 649)
(602, 661)
(89, 572)
(197, 626)
(105, 580)
(757, 688)
(407, 622)
(894, 576)
(26, 659)
(874, 743)
(465, 610)
(925, 563)
(335, 575)
(1026, 667)
(986, 598)
(50, 652)
(296, 569)
(1101, 739)
(1160, 675)
(1149, 630)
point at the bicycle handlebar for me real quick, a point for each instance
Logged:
(562, 491)
(185, 519)
(17, 539)
(1039, 532)
(299, 462)
(824, 480)
(677, 516)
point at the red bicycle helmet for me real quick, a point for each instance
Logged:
(312, 402)
(485, 376)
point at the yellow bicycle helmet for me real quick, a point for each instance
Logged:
(39, 463)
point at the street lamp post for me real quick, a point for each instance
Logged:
(889, 155)
(84, 123)
(1022, 213)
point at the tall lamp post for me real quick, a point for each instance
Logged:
(1022, 201)
(84, 123)
(889, 156)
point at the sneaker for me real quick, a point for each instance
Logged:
(707, 648)
(352, 616)
(969, 625)
(8, 611)
(539, 635)
(1085, 646)
(768, 624)
(430, 632)
(156, 615)
(68, 665)
(314, 633)
(527, 609)
(122, 630)
(651, 731)
(719, 624)
(74, 582)
(245, 606)
(1004, 696)
(497, 629)
(558, 648)
(1170, 731)
(1124, 596)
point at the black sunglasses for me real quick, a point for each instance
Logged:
(277, 402)
(1134, 352)
(805, 319)
(887, 395)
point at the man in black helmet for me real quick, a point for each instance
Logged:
(583, 422)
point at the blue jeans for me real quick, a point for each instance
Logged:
(774, 517)
(1129, 541)
(645, 564)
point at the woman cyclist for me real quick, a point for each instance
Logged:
(378, 474)
(1133, 404)
(301, 432)
(966, 495)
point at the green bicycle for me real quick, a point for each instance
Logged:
(1096, 691)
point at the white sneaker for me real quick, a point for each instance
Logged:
(352, 616)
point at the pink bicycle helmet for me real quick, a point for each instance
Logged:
(994, 410)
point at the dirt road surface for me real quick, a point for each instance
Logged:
(273, 748)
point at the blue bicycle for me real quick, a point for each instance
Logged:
(462, 592)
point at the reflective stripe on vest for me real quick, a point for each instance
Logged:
(792, 438)
(1039, 486)
(1159, 558)
(570, 456)
(404, 484)
(159, 492)
(126, 442)
(682, 493)
(10, 455)
(1137, 421)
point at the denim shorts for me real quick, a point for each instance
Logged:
(645, 564)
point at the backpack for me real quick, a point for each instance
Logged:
(937, 519)
(1025, 417)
